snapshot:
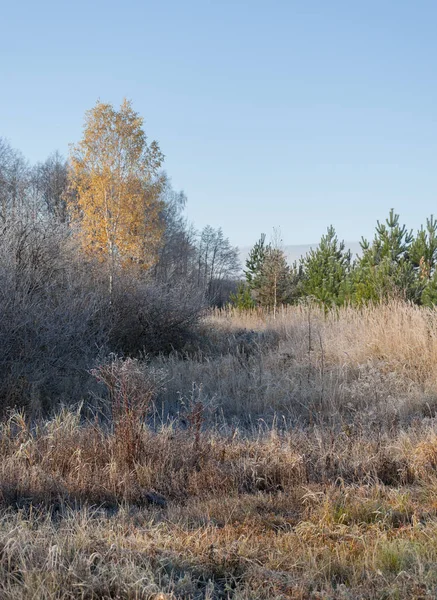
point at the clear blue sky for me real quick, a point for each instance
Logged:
(271, 114)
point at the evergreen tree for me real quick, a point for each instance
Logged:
(242, 298)
(423, 255)
(423, 249)
(255, 261)
(384, 269)
(296, 282)
(326, 271)
(429, 293)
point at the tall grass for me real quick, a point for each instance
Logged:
(280, 458)
(277, 515)
(373, 366)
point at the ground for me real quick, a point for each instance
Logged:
(286, 458)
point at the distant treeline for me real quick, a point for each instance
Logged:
(396, 264)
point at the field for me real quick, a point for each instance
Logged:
(280, 458)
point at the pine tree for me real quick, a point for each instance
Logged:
(423, 256)
(242, 298)
(429, 293)
(384, 269)
(326, 271)
(255, 261)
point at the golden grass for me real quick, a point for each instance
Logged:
(300, 461)
(402, 335)
(370, 367)
(283, 515)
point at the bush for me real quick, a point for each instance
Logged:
(152, 317)
(51, 325)
(57, 321)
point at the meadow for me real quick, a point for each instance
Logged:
(293, 457)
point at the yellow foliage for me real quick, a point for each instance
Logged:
(114, 174)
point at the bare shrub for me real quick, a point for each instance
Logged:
(57, 320)
(51, 326)
(152, 317)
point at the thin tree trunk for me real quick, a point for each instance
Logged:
(275, 297)
(111, 271)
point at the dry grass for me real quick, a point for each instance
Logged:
(300, 461)
(374, 367)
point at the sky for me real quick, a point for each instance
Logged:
(282, 114)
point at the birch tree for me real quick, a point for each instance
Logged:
(115, 178)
